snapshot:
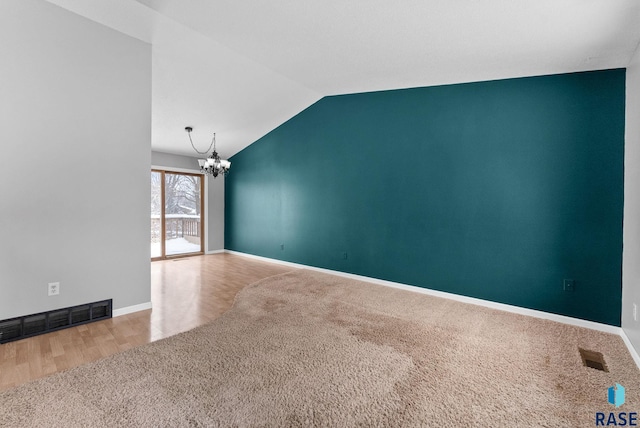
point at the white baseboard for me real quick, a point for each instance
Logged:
(464, 299)
(130, 309)
(630, 347)
(215, 252)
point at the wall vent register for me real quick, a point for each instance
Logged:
(57, 319)
(593, 359)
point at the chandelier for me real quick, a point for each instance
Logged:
(212, 165)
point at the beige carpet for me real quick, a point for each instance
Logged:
(309, 349)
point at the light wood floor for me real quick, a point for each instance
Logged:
(185, 293)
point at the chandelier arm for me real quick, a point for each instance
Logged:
(198, 151)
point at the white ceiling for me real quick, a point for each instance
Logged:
(241, 68)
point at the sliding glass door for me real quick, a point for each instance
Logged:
(176, 214)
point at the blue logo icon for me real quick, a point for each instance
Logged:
(616, 395)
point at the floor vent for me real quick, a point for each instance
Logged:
(58, 319)
(593, 359)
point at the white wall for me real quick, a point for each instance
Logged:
(168, 160)
(75, 130)
(631, 237)
(215, 195)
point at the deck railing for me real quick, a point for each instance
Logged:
(177, 226)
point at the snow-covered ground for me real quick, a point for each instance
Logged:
(174, 246)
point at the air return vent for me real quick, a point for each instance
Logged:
(35, 324)
(32, 325)
(101, 310)
(593, 359)
(10, 330)
(81, 314)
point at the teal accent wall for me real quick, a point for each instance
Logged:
(497, 190)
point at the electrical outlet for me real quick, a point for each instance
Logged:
(344, 255)
(282, 246)
(635, 312)
(54, 288)
(569, 285)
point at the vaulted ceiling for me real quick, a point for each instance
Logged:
(241, 68)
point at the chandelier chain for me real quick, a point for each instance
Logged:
(213, 142)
